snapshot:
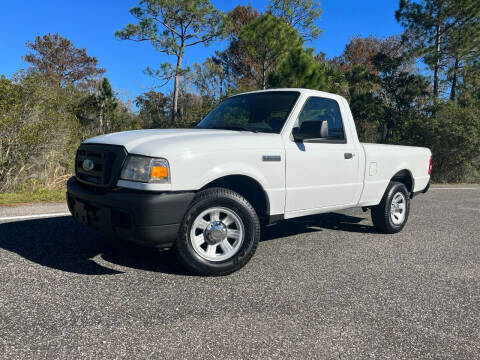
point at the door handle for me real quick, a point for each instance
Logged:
(348, 155)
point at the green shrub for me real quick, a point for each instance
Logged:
(453, 134)
(41, 126)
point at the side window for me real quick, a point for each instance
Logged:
(317, 110)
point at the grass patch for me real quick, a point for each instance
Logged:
(40, 195)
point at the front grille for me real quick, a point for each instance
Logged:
(107, 164)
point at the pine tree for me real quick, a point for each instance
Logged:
(299, 14)
(428, 22)
(267, 40)
(61, 61)
(172, 26)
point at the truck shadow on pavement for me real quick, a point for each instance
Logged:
(63, 244)
(315, 223)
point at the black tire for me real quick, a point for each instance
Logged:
(218, 197)
(381, 214)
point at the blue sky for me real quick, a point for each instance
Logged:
(92, 23)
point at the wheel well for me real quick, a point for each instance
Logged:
(405, 177)
(249, 188)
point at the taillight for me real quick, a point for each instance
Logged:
(430, 166)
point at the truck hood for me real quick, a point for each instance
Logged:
(165, 142)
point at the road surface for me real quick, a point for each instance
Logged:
(325, 286)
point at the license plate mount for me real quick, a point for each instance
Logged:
(80, 212)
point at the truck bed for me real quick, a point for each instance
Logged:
(381, 161)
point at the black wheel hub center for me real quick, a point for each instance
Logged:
(215, 232)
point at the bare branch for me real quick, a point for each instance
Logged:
(203, 40)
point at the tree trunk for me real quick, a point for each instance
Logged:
(176, 86)
(454, 81)
(384, 133)
(221, 87)
(101, 117)
(263, 76)
(437, 61)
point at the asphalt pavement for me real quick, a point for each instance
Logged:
(326, 286)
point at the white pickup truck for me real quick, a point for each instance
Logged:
(257, 158)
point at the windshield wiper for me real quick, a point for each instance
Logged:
(236, 127)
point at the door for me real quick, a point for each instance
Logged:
(322, 170)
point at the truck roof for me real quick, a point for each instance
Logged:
(308, 92)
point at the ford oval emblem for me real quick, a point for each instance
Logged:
(88, 165)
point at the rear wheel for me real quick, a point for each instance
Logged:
(219, 233)
(390, 216)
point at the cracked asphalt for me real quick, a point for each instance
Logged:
(326, 286)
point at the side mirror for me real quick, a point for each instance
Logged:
(310, 130)
(297, 136)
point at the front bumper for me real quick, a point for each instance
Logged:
(147, 218)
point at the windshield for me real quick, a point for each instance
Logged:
(257, 112)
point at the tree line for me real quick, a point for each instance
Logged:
(418, 88)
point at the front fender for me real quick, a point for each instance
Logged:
(194, 171)
(232, 168)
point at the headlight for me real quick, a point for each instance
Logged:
(146, 169)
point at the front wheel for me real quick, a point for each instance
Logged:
(219, 233)
(390, 216)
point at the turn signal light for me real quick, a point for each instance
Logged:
(159, 172)
(430, 166)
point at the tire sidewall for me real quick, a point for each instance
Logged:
(395, 189)
(239, 206)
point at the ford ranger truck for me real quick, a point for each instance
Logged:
(257, 158)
